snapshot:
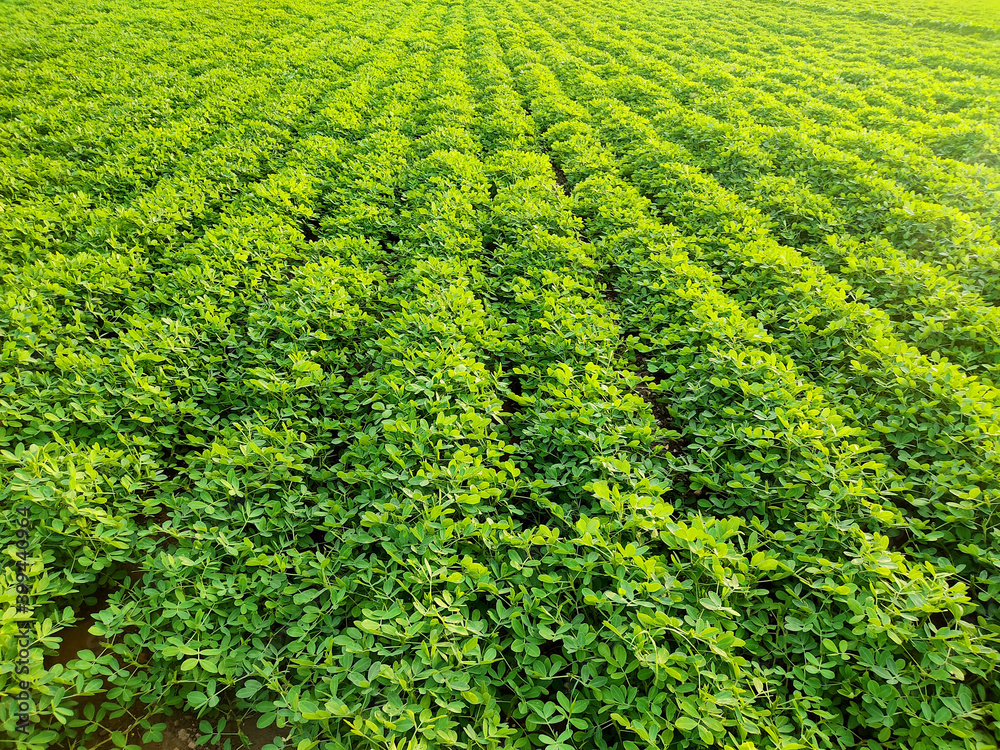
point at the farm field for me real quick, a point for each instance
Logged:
(555, 374)
(970, 16)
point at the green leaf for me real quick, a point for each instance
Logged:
(197, 699)
(685, 723)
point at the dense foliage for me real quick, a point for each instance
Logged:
(461, 373)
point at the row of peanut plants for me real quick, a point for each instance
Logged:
(610, 204)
